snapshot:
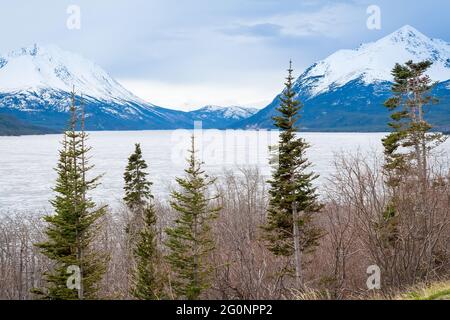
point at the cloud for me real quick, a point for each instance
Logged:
(332, 20)
(185, 96)
(195, 52)
(262, 30)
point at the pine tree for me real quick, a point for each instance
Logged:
(137, 191)
(289, 230)
(407, 148)
(72, 228)
(190, 240)
(137, 187)
(148, 277)
(142, 230)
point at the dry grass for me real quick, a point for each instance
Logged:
(437, 291)
(310, 294)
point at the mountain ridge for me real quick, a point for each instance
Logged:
(36, 84)
(343, 92)
(346, 90)
(11, 126)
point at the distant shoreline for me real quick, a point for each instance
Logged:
(224, 130)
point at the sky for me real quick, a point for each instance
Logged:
(184, 54)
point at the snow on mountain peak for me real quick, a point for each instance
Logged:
(37, 68)
(406, 32)
(374, 61)
(232, 112)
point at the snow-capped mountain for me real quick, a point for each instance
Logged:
(232, 112)
(39, 68)
(221, 117)
(346, 91)
(36, 84)
(373, 62)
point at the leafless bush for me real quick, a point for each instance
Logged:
(412, 247)
(21, 266)
(114, 240)
(244, 269)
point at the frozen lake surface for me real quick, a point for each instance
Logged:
(27, 162)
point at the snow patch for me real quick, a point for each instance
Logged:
(37, 68)
(373, 62)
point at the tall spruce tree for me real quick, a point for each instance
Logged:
(137, 187)
(137, 192)
(148, 277)
(142, 230)
(289, 230)
(72, 227)
(190, 240)
(407, 148)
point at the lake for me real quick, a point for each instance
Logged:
(27, 162)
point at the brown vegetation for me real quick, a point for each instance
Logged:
(413, 248)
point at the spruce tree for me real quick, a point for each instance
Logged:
(137, 191)
(137, 187)
(148, 276)
(72, 227)
(289, 230)
(190, 241)
(407, 148)
(142, 230)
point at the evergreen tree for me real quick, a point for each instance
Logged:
(137, 187)
(407, 148)
(289, 230)
(148, 277)
(72, 228)
(142, 230)
(137, 192)
(190, 240)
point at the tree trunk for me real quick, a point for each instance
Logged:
(196, 260)
(297, 249)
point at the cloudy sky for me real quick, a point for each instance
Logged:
(184, 54)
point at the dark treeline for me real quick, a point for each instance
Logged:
(241, 237)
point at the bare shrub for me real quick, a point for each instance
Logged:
(21, 265)
(410, 247)
(244, 268)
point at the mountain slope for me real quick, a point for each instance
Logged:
(36, 85)
(346, 91)
(36, 68)
(11, 126)
(216, 117)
